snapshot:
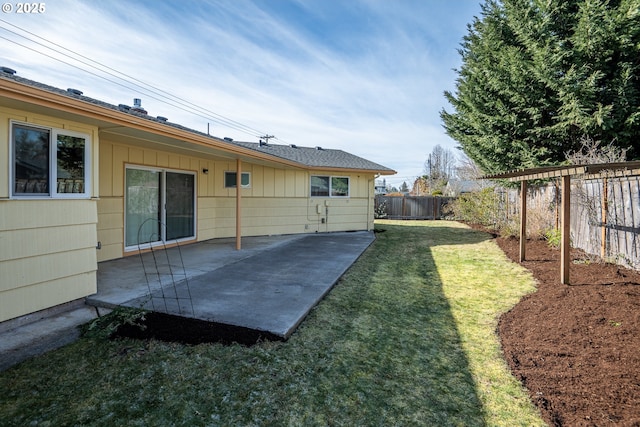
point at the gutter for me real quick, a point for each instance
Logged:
(43, 98)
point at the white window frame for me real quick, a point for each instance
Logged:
(248, 174)
(331, 177)
(163, 201)
(53, 163)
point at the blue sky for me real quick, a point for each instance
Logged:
(364, 76)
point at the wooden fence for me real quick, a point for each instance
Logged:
(411, 207)
(605, 216)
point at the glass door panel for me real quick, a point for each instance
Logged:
(143, 206)
(179, 205)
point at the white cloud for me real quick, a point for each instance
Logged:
(369, 82)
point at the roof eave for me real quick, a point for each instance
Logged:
(43, 98)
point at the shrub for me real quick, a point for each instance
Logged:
(380, 211)
(553, 236)
(479, 207)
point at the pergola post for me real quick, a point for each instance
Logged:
(565, 247)
(523, 219)
(238, 204)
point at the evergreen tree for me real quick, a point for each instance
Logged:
(539, 76)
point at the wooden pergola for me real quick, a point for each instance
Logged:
(564, 173)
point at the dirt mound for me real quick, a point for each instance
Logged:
(576, 347)
(170, 328)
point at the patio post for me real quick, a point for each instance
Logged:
(238, 204)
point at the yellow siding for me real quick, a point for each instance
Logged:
(48, 254)
(110, 227)
(277, 201)
(47, 246)
(19, 302)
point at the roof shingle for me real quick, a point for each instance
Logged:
(305, 156)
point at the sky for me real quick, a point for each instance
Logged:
(363, 76)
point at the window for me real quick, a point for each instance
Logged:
(160, 206)
(329, 186)
(231, 177)
(320, 186)
(49, 162)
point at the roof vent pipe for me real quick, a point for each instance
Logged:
(74, 91)
(161, 118)
(137, 106)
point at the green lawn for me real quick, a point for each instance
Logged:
(407, 337)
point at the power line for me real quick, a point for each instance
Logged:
(165, 97)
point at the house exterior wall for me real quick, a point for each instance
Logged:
(277, 201)
(47, 246)
(48, 252)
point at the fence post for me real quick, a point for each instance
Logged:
(523, 220)
(605, 208)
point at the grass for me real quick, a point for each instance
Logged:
(407, 337)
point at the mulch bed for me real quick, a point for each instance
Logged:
(170, 328)
(576, 348)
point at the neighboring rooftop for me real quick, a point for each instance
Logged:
(317, 157)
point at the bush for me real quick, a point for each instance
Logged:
(380, 211)
(487, 208)
(479, 207)
(553, 237)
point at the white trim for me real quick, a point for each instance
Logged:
(163, 202)
(235, 185)
(87, 169)
(53, 164)
(330, 186)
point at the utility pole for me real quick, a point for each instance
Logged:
(430, 191)
(264, 140)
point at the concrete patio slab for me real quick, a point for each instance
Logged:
(270, 285)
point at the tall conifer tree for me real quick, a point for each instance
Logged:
(539, 76)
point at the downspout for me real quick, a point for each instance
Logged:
(371, 202)
(238, 204)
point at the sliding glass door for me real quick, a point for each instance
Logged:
(179, 205)
(159, 206)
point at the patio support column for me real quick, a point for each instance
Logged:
(238, 204)
(523, 219)
(565, 256)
